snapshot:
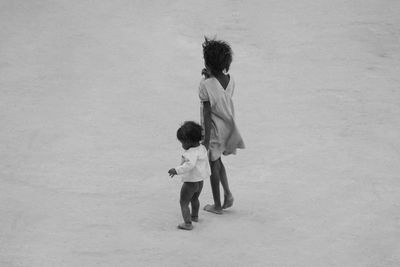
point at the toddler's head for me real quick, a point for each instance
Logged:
(217, 56)
(189, 134)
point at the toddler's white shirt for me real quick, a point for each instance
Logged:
(194, 166)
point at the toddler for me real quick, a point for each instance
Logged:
(193, 170)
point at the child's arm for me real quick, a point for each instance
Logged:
(172, 172)
(189, 161)
(207, 123)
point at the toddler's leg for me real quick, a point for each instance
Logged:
(195, 201)
(187, 192)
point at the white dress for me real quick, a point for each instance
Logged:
(224, 135)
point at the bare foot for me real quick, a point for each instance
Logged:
(212, 209)
(228, 202)
(185, 226)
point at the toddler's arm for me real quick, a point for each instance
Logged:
(172, 172)
(188, 163)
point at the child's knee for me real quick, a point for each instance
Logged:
(184, 202)
(215, 165)
(195, 201)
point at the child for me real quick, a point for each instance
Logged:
(221, 135)
(193, 170)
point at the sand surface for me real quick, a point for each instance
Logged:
(91, 95)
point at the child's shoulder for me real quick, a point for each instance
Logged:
(197, 151)
(205, 80)
(213, 83)
(213, 80)
(208, 82)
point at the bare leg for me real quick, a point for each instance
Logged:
(228, 197)
(215, 180)
(187, 192)
(224, 180)
(195, 209)
(195, 202)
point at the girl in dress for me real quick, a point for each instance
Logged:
(221, 136)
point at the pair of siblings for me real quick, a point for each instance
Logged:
(202, 156)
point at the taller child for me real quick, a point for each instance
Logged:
(221, 136)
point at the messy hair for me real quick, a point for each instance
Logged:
(217, 55)
(189, 131)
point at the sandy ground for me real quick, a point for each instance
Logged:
(92, 93)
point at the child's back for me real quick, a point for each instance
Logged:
(225, 138)
(221, 135)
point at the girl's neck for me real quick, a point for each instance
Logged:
(223, 79)
(220, 75)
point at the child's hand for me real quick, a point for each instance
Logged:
(172, 172)
(205, 73)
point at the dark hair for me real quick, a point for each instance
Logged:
(189, 131)
(217, 55)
